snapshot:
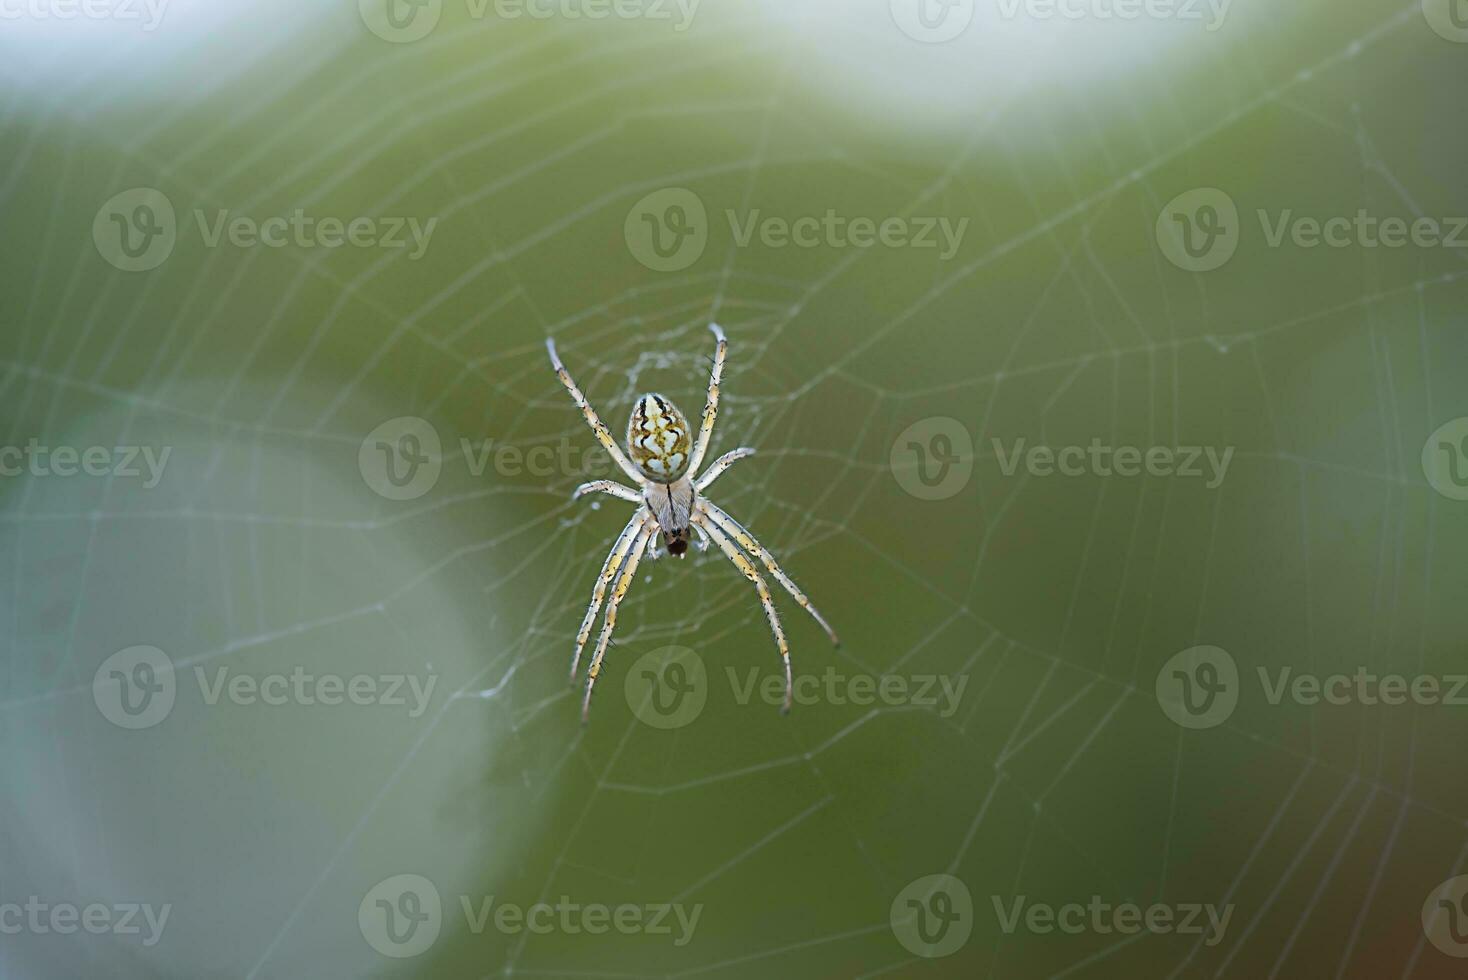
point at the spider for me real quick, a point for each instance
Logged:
(668, 491)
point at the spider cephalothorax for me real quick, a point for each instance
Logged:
(664, 467)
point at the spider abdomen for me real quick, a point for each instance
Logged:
(658, 439)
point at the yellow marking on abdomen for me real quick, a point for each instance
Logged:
(658, 439)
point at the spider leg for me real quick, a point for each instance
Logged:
(609, 487)
(719, 465)
(602, 435)
(751, 573)
(609, 569)
(711, 408)
(623, 584)
(703, 538)
(747, 541)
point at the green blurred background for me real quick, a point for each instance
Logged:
(1056, 601)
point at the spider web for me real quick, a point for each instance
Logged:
(1057, 778)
